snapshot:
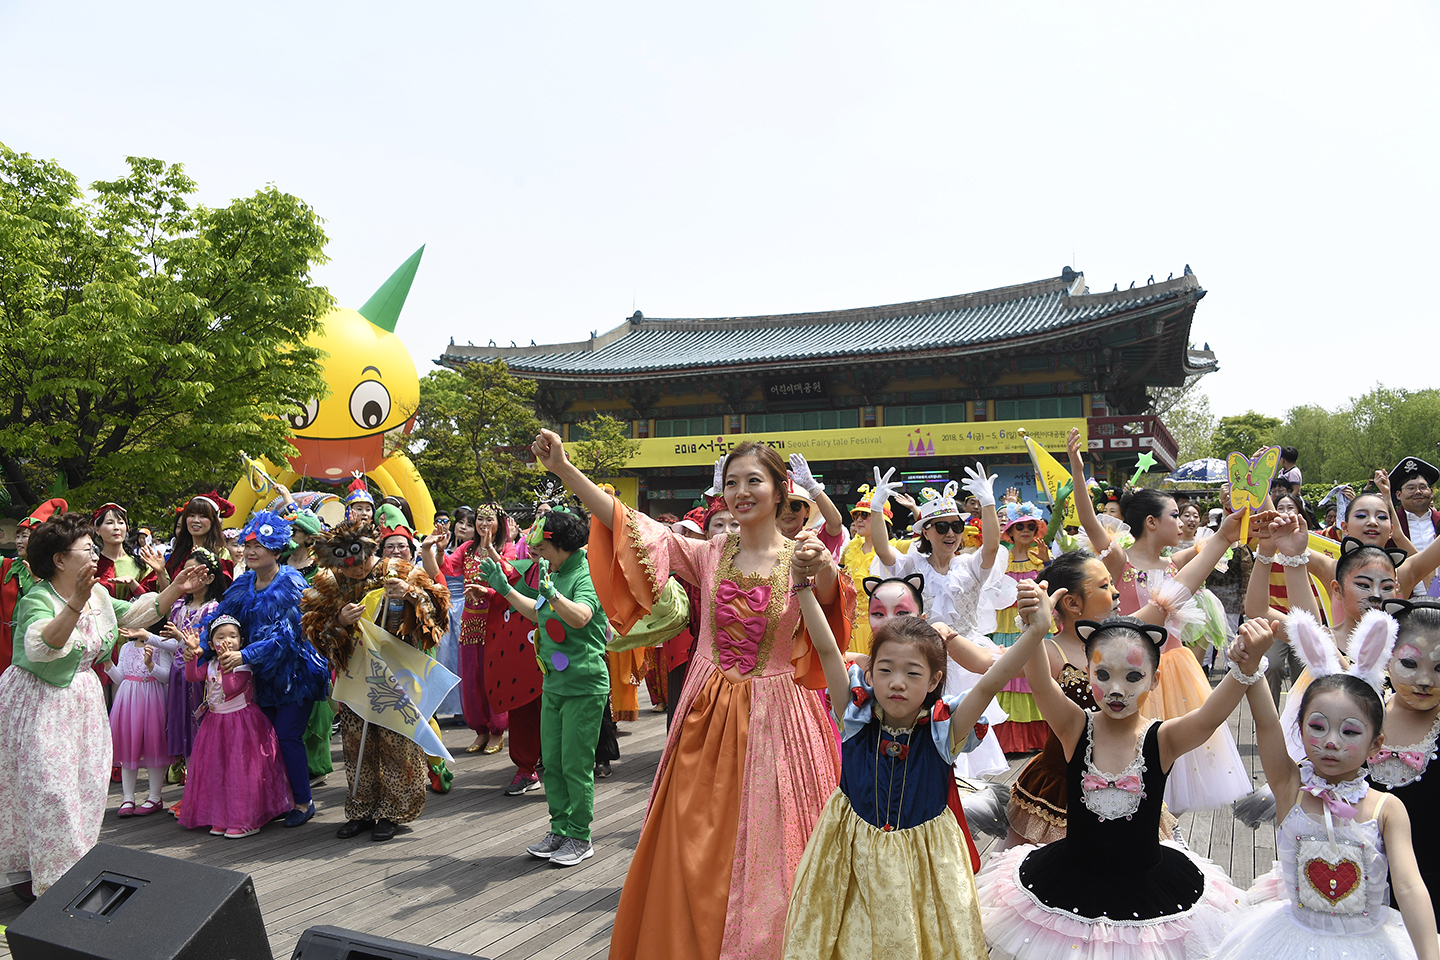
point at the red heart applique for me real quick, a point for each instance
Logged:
(981, 729)
(1331, 881)
(940, 712)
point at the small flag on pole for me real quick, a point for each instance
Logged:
(393, 685)
(1051, 477)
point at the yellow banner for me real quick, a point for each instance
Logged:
(1051, 476)
(866, 443)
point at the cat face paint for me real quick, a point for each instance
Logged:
(1337, 740)
(1119, 675)
(892, 600)
(1415, 672)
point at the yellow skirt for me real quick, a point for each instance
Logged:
(862, 892)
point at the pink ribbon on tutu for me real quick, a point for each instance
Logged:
(1414, 759)
(1130, 783)
(1334, 804)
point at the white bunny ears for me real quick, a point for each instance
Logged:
(1371, 643)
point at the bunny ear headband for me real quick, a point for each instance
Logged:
(1371, 643)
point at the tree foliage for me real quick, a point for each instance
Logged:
(1246, 432)
(606, 449)
(1191, 423)
(472, 435)
(142, 340)
(1370, 432)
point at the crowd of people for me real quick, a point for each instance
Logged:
(826, 687)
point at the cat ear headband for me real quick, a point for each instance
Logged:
(1371, 643)
(1349, 545)
(1156, 634)
(915, 581)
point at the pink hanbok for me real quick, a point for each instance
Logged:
(750, 760)
(236, 779)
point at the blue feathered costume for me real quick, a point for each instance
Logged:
(290, 675)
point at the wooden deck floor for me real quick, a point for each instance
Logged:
(459, 877)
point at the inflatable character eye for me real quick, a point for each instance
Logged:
(370, 404)
(306, 415)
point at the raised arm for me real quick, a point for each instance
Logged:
(837, 679)
(550, 451)
(1292, 539)
(1183, 734)
(1382, 485)
(1064, 716)
(879, 529)
(1210, 552)
(805, 480)
(1037, 610)
(1100, 542)
(1257, 591)
(982, 487)
(1416, 567)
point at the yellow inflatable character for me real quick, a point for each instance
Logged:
(374, 392)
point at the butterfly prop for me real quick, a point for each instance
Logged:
(1250, 482)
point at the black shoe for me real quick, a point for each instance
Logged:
(602, 769)
(384, 830)
(353, 828)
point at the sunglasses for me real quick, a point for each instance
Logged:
(943, 527)
(796, 506)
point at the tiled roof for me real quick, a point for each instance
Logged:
(977, 321)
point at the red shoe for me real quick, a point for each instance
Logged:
(148, 807)
(127, 809)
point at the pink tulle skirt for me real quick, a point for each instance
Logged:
(235, 779)
(1018, 926)
(137, 725)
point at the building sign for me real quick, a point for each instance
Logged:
(867, 443)
(795, 388)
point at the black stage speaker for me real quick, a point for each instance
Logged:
(119, 904)
(333, 943)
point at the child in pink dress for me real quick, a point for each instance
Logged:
(236, 780)
(137, 719)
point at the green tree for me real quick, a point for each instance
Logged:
(1246, 432)
(1191, 423)
(142, 340)
(1378, 430)
(473, 432)
(606, 449)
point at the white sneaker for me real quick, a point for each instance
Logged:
(572, 852)
(546, 847)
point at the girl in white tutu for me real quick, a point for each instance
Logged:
(1339, 842)
(1110, 889)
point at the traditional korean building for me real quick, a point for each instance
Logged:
(922, 386)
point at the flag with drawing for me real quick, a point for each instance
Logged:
(391, 684)
(1053, 479)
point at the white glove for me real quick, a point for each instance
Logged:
(883, 490)
(717, 479)
(979, 486)
(804, 479)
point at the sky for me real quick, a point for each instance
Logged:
(566, 164)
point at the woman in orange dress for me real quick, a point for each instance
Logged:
(751, 758)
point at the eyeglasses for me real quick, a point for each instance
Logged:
(944, 527)
(1416, 486)
(91, 550)
(796, 506)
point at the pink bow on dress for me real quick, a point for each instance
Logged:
(1130, 783)
(739, 653)
(757, 598)
(1414, 759)
(1334, 804)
